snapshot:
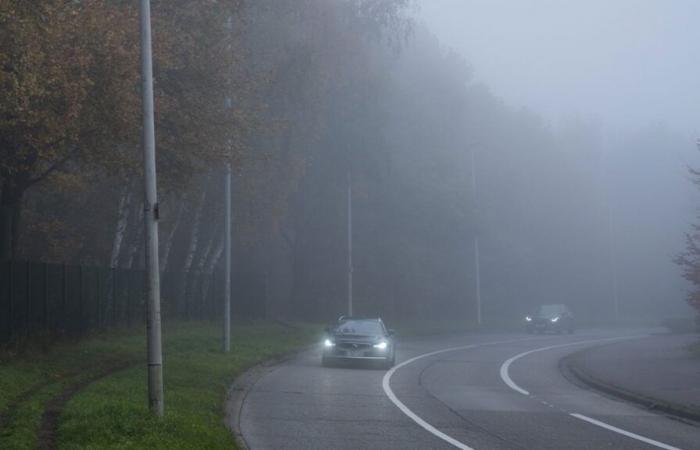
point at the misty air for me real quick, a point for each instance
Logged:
(349, 224)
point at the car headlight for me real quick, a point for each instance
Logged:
(528, 318)
(381, 345)
(328, 343)
(554, 319)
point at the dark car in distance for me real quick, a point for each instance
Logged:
(359, 339)
(554, 318)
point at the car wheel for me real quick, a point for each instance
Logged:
(389, 362)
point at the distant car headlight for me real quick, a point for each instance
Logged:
(328, 343)
(381, 346)
(528, 318)
(554, 319)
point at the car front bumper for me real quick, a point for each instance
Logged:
(544, 325)
(361, 353)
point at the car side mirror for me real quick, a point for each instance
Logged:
(391, 332)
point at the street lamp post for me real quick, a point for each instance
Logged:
(153, 331)
(350, 269)
(477, 261)
(227, 268)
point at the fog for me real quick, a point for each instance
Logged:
(625, 63)
(627, 68)
(416, 186)
(445, 160)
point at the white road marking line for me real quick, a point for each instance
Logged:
(506, 365)
(417, 419)
(505, 376)
(404, 409)
(623, 432)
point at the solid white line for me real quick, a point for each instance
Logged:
(399, 404)
(505, 367)
(505, 376)
(623, 432)
(404, 409)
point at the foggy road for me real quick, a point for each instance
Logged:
(488, 391)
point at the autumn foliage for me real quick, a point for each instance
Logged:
(71, 93)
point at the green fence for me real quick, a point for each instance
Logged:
(58, 299)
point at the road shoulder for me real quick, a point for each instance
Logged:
(656, 373)
(241, 387)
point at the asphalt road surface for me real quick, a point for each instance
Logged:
(496, 391)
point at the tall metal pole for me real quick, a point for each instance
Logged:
(477, 262)
(605, 168)
(349, 245)
(227, 269)
(155, 355)
(613, 261)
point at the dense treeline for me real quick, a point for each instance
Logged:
(307, 99)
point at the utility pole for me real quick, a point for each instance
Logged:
(227, 269)
(613, 262)
(477, 261)
(227, 230)
(349, 245)
(605, 175)
(153, 332)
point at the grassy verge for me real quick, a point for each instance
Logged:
(111, 412)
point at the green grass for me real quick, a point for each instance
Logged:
(112, 412)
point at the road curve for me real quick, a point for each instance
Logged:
(487, 391)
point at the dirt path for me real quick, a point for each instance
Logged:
(47, 435)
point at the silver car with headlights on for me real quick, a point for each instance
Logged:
(556, 318)
(359, 339)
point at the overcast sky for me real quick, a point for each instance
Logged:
(626, 62)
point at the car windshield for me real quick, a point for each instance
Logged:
(548, 310)
(364, 327)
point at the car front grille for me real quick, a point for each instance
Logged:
(353, 346)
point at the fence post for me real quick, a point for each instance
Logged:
(114, 297)
(64, 297)
(81, 324)
(46, 299)
(99, 297)
(202, 300)
(10, 299)
(212, 296)
(28, 300)
(127, 305)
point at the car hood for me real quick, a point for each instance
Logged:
(545, 316)
(357, 338)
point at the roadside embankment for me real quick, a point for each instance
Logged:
(660, 372)
(92, 393)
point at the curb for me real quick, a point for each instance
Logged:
(243, 384)
(571, 366)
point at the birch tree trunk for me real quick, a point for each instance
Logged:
(214, 258)
(201, 274)
(122, 222)
(136, 242)
(192, 250)
(171, 236)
